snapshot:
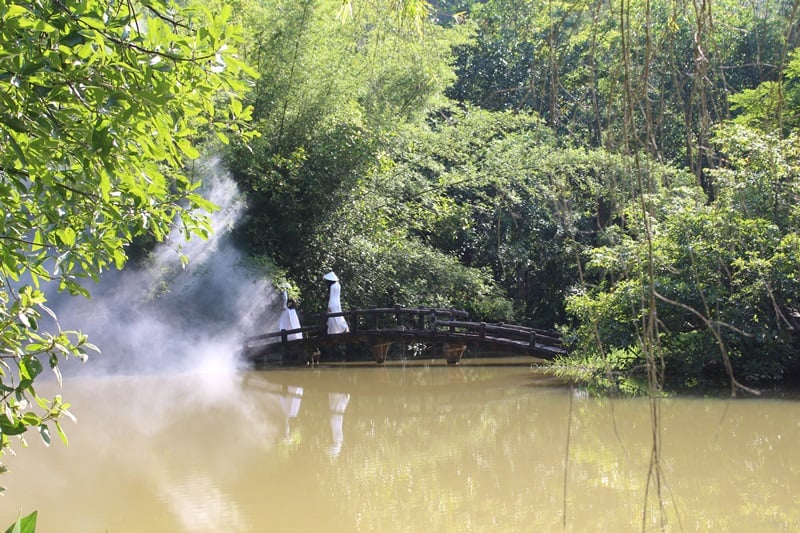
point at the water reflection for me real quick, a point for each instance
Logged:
(290, 404)
(337, 404)
(412, 448)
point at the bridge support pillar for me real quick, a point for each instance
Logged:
(453, 352)
(380, 351)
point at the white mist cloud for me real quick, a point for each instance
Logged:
(170, 338)
(169, 318)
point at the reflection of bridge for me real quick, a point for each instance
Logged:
(378, 328)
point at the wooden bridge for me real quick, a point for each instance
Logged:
(379, 328)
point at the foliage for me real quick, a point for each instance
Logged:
(571, 218)
(593, 70)
(405, 11)
(497, 191)
(24, 524)
(388, 267)
(724, 273)
(330, 94)
(772, 106)
(472, 186)
(650, 80)
(102, 104)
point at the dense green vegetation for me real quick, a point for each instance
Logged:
(626, 172)
(103, 105)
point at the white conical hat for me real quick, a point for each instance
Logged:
(330, 276)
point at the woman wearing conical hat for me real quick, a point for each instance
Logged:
(336, 324)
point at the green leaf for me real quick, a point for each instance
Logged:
(44, 432)
(236, 107)
(15, 124)
(61, 433)
(187, 149)
(119, 258)
(12, 428)
(67, 236)
(32, 366)
(31, 419)
(59, 378)
(26, 524)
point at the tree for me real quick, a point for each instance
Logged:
(102, 105)
(568, 61)
(724, 274)
(773, 106)
(331, 94)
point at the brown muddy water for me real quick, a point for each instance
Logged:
(401, 447)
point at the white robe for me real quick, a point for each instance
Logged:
(289, 319)
(336, 324)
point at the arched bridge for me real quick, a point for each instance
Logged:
(379, 328)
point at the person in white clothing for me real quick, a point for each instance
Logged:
(289, 319)
(336, 324)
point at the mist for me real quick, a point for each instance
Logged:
(170, 338)
(167, 318)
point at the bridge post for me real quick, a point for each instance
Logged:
(380, 350)
(284, 337)
(398, 316)
(453, 352)
(532, 341)
(483, 330)
(354, 322)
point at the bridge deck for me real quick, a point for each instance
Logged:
(380, 327)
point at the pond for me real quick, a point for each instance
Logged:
(425, 446)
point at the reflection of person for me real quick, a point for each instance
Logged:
(336, 324)
(337, 403)
(290, 404)
(289, 319)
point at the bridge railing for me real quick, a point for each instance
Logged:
(392, 318)
(484, 330)
(307, 331)
(429, 319)
(368, 319)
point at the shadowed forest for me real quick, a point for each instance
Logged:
(624, 171)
